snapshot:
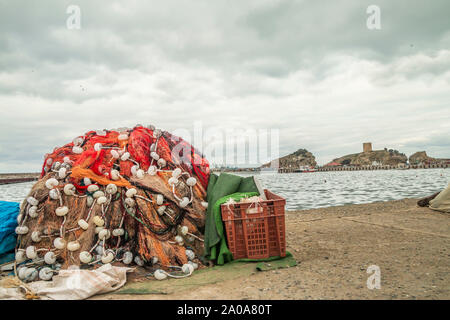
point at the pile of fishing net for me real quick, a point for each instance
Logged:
(135, 196)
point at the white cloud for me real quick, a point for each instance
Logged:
(327, 84)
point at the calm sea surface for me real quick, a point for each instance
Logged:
(324, 189)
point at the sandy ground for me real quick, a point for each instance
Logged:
(334, 247)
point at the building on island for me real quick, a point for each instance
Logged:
(367, 147)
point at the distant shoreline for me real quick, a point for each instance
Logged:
(337, 168)
(9, 178)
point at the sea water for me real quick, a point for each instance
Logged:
(324, 189)
(334, 188)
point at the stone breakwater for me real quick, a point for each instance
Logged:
(8, 178)
(355, 168)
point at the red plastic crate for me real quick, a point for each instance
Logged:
(256, 232)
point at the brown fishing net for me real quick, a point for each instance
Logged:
(131, 195)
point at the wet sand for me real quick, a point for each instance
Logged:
(334, 247)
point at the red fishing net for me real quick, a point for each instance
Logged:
(174, 150)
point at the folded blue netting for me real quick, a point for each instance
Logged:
(8, 223)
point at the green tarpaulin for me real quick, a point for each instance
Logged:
(221, 188)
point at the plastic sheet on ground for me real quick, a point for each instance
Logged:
(75, 284)
(442, 201)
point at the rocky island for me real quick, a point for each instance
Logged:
(369, 157)
(295, 160)
(421, 157)
(304, 161)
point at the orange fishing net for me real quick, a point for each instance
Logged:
(80, 173)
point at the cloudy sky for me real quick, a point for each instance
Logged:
(310, 69)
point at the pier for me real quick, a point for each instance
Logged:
(9, 178)
(406, 167)
(341, 168)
